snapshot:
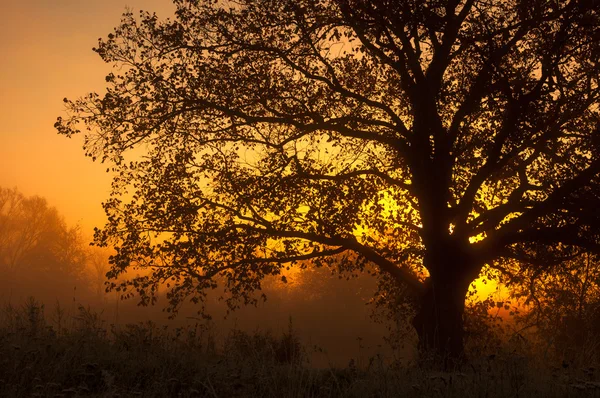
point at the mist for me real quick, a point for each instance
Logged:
(43, 258)
(299, 198)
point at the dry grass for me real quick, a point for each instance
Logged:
(56, 355)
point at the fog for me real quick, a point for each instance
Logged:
(43, 257)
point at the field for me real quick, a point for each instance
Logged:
(48, 354)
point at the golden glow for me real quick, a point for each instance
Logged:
(46, 46)
(485, 288)
(46, 50)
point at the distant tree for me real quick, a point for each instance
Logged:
(23, 222)
(37, 248)
(445, 134)
(98, 266)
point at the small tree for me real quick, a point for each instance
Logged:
(564, 306)
(444, 134)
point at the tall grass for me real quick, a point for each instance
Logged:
(58, 354)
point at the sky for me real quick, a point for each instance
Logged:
(46, 52)
(46, 48)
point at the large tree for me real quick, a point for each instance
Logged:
(444, 134)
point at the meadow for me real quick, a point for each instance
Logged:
(54, 353)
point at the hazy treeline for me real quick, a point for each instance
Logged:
(41, 255)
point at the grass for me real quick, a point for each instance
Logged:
(79, 355)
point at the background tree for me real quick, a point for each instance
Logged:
(97, 261)
(39, 254)
(443, 134)
(23, 222)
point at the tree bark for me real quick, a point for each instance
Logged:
(439, 320)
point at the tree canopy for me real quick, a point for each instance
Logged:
(445, 134)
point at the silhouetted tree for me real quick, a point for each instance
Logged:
(447, 134)
(564, 306)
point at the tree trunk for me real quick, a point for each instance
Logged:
(439, 320)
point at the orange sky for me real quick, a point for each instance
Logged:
(46, 56)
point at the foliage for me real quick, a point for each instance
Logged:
(563, 306)
(428, 138)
